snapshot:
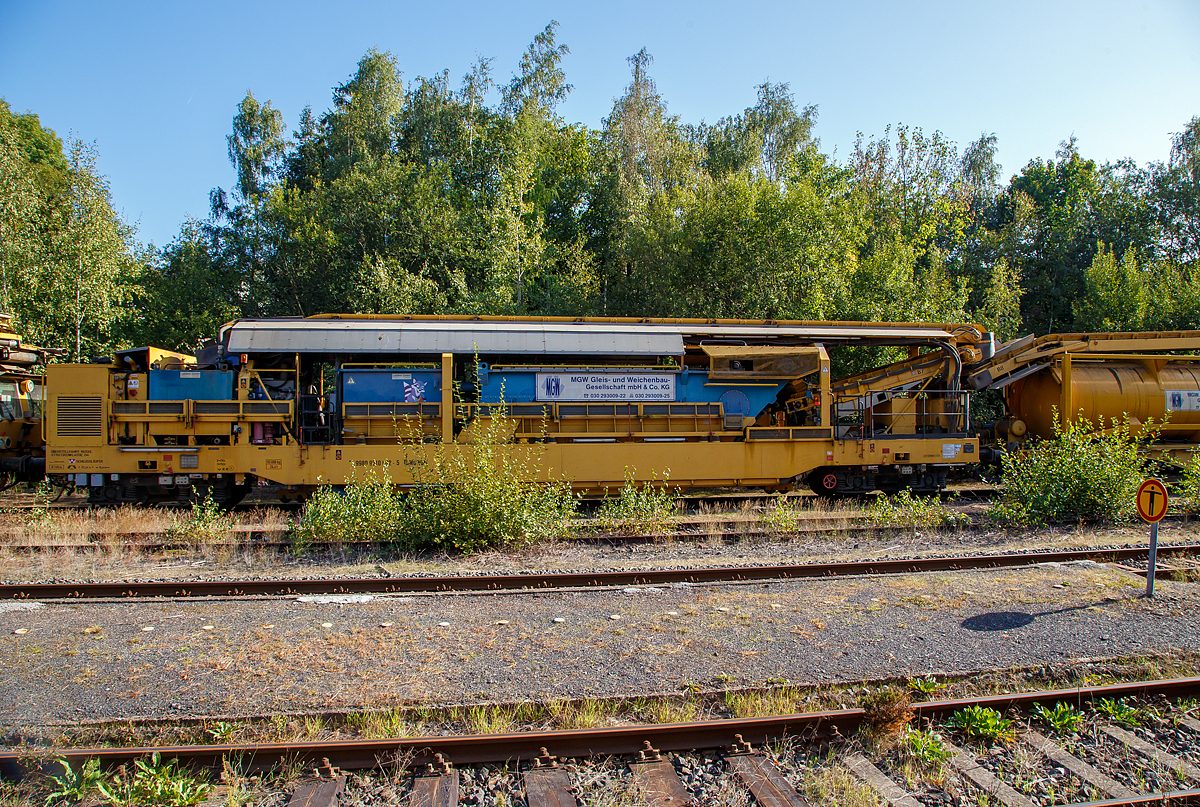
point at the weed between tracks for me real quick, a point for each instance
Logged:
(885, 700)
(798, 529)
(917, 758)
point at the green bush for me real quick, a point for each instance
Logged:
(367, 509)
(925, 687)
(638, 509)
(783, 518)
(924, 747)
(1119, 711)
(154, 783)
(206, 521)
(1187, 496)
(466, 497)
(906, 510)
(1080, 474)
(73, 787)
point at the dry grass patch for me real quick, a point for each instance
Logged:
(763, 703)
(585, 714)
(836, 786)
(888, 711)
(658, 711)
(385, 724)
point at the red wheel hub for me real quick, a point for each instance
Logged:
(829, 482)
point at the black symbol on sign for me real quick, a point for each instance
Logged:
(553, 387)
(1176, 400)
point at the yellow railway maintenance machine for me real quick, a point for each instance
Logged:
(1143, 376)
(293, 403)
(22, 449)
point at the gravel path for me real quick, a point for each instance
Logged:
(91, 661)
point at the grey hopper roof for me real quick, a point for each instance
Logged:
(817, 333)
(534, 337)
(414, 336)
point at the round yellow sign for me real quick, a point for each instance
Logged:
(1152, 500)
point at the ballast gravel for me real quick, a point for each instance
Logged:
(82, 662)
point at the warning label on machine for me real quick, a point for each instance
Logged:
(1183, 400)
(605, 387)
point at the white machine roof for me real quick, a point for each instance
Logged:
(414, 336)
(567, 338)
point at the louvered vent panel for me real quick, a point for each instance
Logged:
(80, 417)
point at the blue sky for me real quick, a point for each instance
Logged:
(155, 84)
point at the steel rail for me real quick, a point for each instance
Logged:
(1173, 798)
(718, 529)
(559, 580)
(704, 530)
(523, 746)
(686, 498)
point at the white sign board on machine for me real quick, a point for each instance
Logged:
(584, 386)
(1182, 400)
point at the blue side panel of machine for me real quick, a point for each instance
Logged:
(692, 387)
(195, 385)
(391, 386)
(513, 386)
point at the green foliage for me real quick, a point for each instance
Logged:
(925, 687)
(1129, 294)
(206, 521)
(366, 509)
(467, 497)
(1062, 717)
(1000, 311)
(73, 787)
(68, 264)
(486, 493)
(638, 509)
(1080, 474)
(906, 510)
(784, 517)
(1186, 496)
(982, 723)
(1120, 711)
(189, 291)
(154, 783)
(418, 196)
(924, 747)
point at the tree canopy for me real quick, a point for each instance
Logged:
(426, 195)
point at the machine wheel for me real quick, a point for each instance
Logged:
(824, 482)
(227, 494)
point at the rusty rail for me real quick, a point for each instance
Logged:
(524, 746)
(559, 580)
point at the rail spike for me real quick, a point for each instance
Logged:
(740, 746)
(649, 753)
(545, 760)
(439, 767)
(326, 771)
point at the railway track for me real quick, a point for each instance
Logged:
(689, 501)
(562, 580)
(1091, 766)
(259, 538)
(727, 529)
